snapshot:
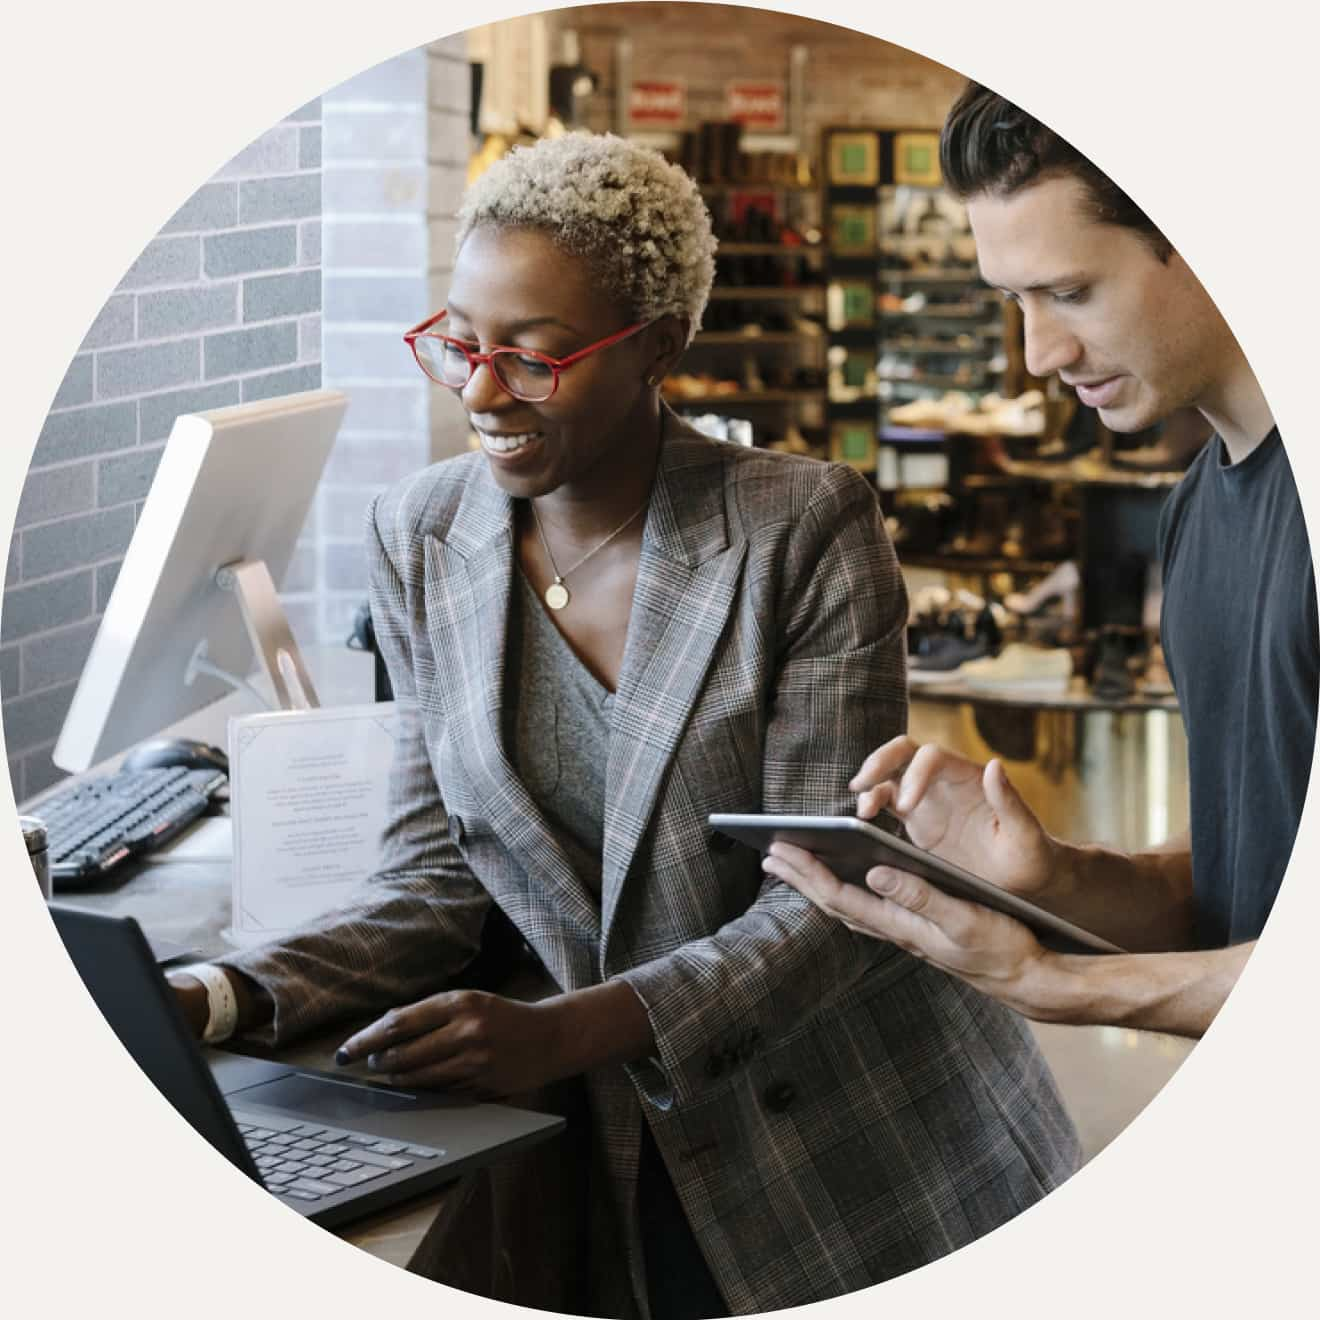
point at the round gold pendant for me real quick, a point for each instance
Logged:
(556, 595)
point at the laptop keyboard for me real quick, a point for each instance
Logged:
(308, 1162)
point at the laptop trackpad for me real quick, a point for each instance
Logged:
(321, 1098)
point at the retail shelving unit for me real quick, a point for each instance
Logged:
(760, 355)
(851, 173)
(909, 316)
(940, 327)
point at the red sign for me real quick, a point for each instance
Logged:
(756, 105)
(662, 104)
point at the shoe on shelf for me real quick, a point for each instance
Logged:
(1064, 582)
(938, 648)
(1112, 679)
(944, 657)
(1019, 667)
(1155, 682)
(987, 625)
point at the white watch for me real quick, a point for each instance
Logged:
(221, 1001)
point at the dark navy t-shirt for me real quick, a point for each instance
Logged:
(1240, 637)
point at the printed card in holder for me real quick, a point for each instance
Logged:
(307, 796)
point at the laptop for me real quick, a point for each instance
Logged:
(331, 1147)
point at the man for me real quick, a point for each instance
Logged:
(1111, 307)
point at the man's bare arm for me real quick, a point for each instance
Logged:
(1139, 901)
(1177, 992)
(1174, 992)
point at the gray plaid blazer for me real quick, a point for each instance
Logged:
(832, 1112)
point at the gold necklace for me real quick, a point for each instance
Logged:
(556, 594)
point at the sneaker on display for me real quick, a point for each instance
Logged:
(943, 654)
(1020, 667)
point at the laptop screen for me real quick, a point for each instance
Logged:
(117, 966)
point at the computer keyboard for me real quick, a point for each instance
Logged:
(307, 1162)
(96, 825)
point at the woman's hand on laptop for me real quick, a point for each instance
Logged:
(965, 813)
(488, 1047)
(466, 1041)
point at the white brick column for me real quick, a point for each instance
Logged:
(396, 138)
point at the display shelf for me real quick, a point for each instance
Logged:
(722, 189)
(925, 245)
(745, 396)
(735, 293)
(951, 563)
(934, 380)
(736, 338)
(935, 347)
(940, 312)
(783, 285)
(912, 435)
(1077, 697)
(1075, 473)
(769, 249)
(892, 275)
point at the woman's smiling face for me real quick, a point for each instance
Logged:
(517, 288)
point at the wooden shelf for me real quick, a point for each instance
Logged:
(890, 238)
(733, 293)
(935, 347)
(1072, 473)
(1077, 697)
(940, 312)
(931, 381)
(892, 275)
(751, 341)
(718, 189)
(768, 249)
(977, 564)
(744, 396)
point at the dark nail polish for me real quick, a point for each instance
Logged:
(341, 1057)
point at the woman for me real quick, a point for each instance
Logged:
(600, 629)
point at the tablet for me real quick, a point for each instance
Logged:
(851, 847)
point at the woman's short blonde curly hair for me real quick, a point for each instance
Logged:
(636, 219)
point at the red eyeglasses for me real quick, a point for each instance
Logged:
(526, 374)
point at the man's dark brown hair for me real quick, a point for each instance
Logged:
(989, 145)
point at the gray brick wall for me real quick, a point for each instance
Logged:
(448, 141)
(221, 307)
(394, 146)
(299, 264)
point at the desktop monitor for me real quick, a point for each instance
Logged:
(195, 598)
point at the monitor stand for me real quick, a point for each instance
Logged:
(272, 639)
